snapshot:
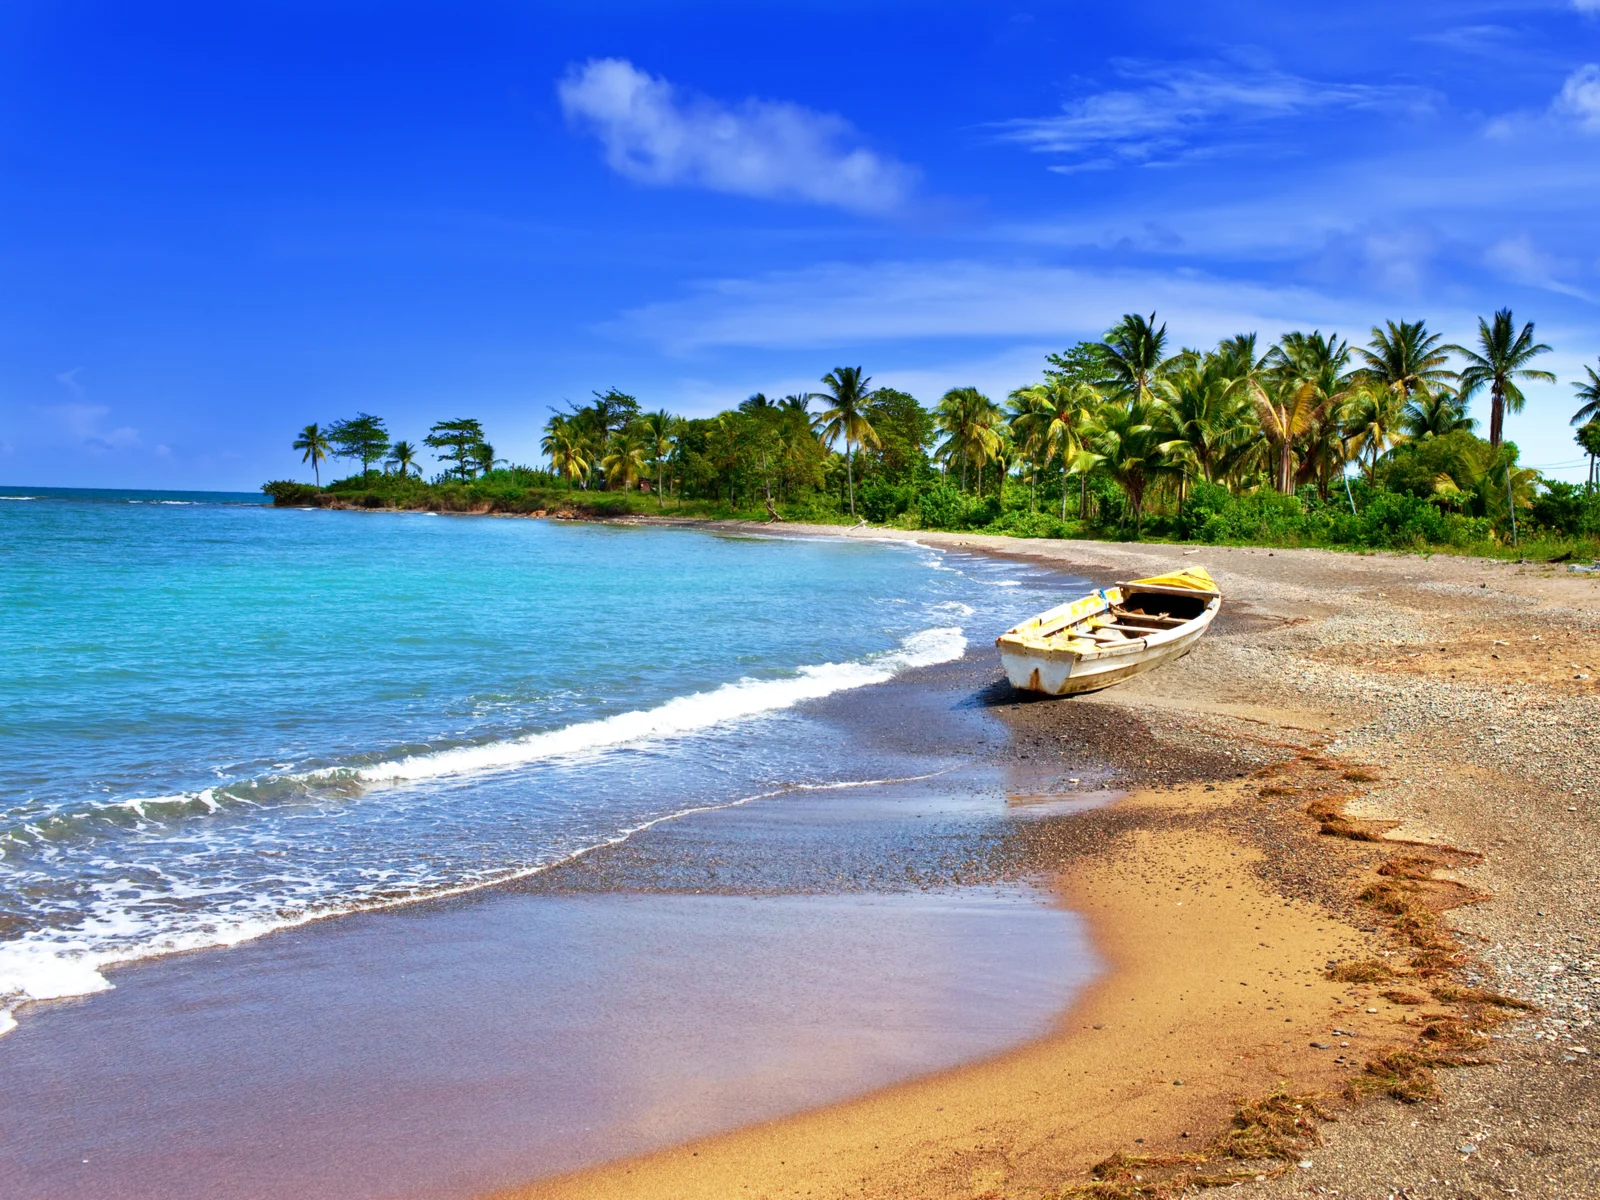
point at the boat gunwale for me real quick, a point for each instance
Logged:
(1032, 644)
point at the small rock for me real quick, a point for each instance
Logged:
(1306, 1164)
(1467, 1148)
(1321, 1046)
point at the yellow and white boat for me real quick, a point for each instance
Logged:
(1110, 634)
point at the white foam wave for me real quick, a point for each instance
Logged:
(21, 497)
(677, 717)
(681, 715)
(56, 964)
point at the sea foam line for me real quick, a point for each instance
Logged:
(39, 968)
(678, 716)
(68, 964)
(682, 715)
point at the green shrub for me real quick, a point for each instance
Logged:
(943, 507)
(1028, 525)
(286, 493)
(1568, 508)
(881, 501)
(1211, 513)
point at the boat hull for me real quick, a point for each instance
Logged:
(1071, 675)
(1110, 635)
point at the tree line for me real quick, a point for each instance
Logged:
(1110, 429)
(364, 438)
(1127, 409)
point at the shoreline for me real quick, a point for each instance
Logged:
(1034, 1118)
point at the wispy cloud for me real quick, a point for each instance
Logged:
(656, 133)
(84, 424)
(1579, 97)
(839, 305)
(1473, 39)
(1171, 109)
(1518, 259)
(69, 380)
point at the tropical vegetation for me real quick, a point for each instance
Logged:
(1309, 441)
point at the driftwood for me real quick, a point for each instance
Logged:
(772, 513)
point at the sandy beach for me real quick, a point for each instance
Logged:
(1347, 899)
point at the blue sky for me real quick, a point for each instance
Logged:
(220, 222)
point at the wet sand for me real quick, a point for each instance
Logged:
(1418, 703)
(1373, 692)
(729, 966)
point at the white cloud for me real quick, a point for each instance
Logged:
(1161, 117)
(1588, 6)
(1518, 259)
(925, 378)
(1473, 39)
(842, 305)
(83, 423)
(69, 380)
(1580, 95)
(655, 133)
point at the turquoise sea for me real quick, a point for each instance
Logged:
(218, 719)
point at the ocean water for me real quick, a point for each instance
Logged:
(219, 719)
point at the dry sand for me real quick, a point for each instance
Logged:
(1376, 687)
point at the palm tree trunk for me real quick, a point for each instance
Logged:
(849, 474)
(1497, 413)
(1064, 490)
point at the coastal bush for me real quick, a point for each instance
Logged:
(287, 493)
(1029, 525)
(881, 501)
(1395, 520)
(944, 507)
(1568, 508)
(1211, 513)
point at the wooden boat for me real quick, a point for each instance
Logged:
(1110, 634)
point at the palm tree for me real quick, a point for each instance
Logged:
(1205, 415)
(566, 445)
(1588, 417)
(315, 444)
(1133, 356)
(482, 457)
(1374, 421)
(1298, 394)
(625, 462)
(1049, 420)
(1589, 439)
(402, 456)
(1126, 442)
(1588, 392)
(1405, 359)
(846, 417)
(1434, 414)
(1505, 358)
(658, 429)
(967, 418)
